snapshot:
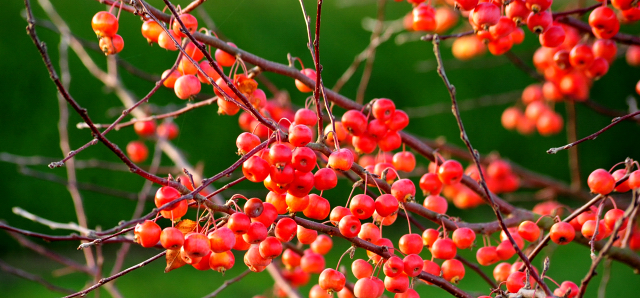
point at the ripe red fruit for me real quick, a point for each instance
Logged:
(341, 160)
(452, 270)
(196, 245)
(383, 108)
(634, 179)
(501, 272)
(151, 31)
(410, 244)
(430, 267)
(605, 48)
(255, 169)
(306, 236)
(303, 159)
(221, 240)
(553, 37)
(450, 172)
(147, 233)
(539, 22)
(393, 266)
(604, 22)
(246, 142)
(369, 232)
(104, 24)
(300, 135)
(331, 280)
(171, 238)
(465, 4)
(485, 14)
(505, 250)
(529, 231)
(221, 261)
(598, 68)
(186, 86)
(355, 122)
(179, 211)
(538, 5)
(398, 121)
(601, 182)
(391, 141)
(404, 161)
(515, 281)
(443, 249)
(165, 41)
(403, 190)
(310, 73)
(171, 80)
(145, 128)
(137, 151)
(306, 117)
(312, 262)
(436, 204)
(361, 268)
(253, 207)
(165, 195)
(562, 233)
(318, 207)
(549, 123)
(349, 226)
(190, 23)
(430, 184)
(424, 18)
(268, 216)
(362, 206)
(397, 284)
(503, 28)
(386, 205)
(487, 256)
(270, 248)
(257, 233)
(366, 288)
(412, 264)
(517, 11)
(565, 286)
(589, 229)
(617, 175)
(324, 179)
(225, 59)
(239, 223)
(429, 236)
(581, 56)
(463, 238)
(612, 216)
(322, 245)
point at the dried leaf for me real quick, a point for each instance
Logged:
(174, 261)
(186, 226)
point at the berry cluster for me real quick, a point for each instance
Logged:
(137, 151)
(105, 25)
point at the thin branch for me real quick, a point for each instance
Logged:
(431, 37)
(476, 159)
(477, 269)
(572, 136)
(75, 266)
(373, 44)
(32, 277)
(282, 282)
(193, 5)
(110, 278)
(523, 66)
(602, 289)
(584, 27)
(444, 284)
(51, 224)
(227, 283)
(594, 135)
(189, 107)
(607, 246)
(371, 55)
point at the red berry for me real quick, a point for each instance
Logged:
(190, 23)
(562, 233)
(186, 86)
(303, 159)
(331, 280)
(147, 233)
(452, 270)
(318, 207)
(171, 238)
(463, 238)
(410, 244)
(151, 31)
(225, 59)
(601, 182)
(383, 109)
(444, 249)
(487, 256)
(386, 205)
(104, 24)
(137, 151)
(310, 73)
(450, 172)
(529, 231)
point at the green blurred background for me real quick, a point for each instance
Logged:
(271, 29)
